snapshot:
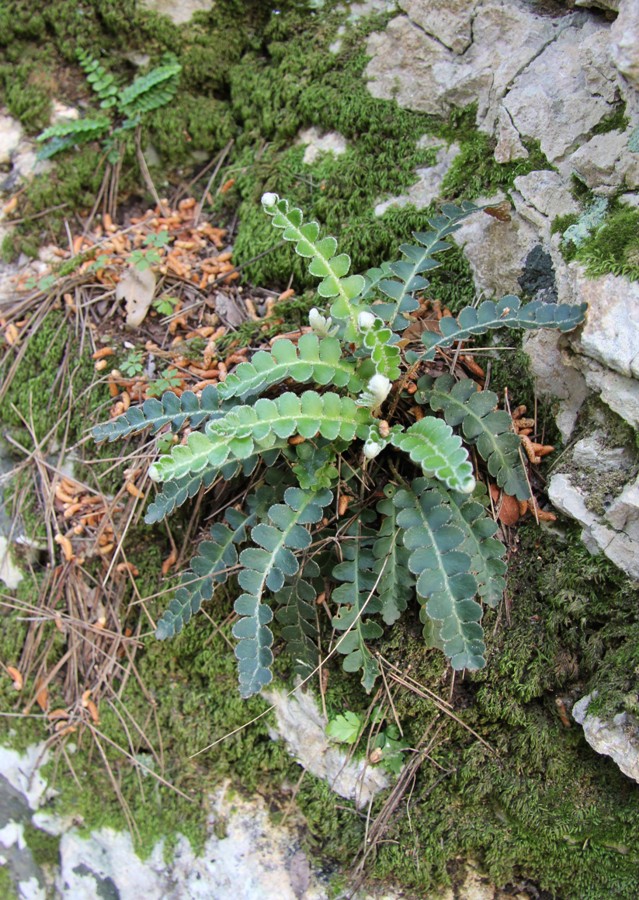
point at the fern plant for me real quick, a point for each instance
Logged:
(327, 419)
(123, 108)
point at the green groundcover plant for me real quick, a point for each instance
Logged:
(121, 109)
(312, 424)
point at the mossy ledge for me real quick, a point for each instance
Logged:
(546, 807)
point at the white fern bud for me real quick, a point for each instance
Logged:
(372, 449)
(379, 388)
(154, 474)
(269, 199)
(321, 325)
(365, 321)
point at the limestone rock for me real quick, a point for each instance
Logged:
(10, 137)
(509, 146)
(179, 12)
(421, 73)
(594, 454)
(565, 91)
(252, 860)
(597, 534)
(554, 377)
(624, 41)
(496, 251)
(611, 332)
(370, 7)
(618, 738)
(317, 143)
(547, 192)
(621, 394)
(605, 162)
(623, 512)
(449, 21)
(426, 188)
(301, 724)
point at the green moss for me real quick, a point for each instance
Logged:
(51, 365)
(475, 172)
(613, 248)
(616, 121)
(546, 807)
(44, 847)
(561, 223)
(7, 887)
(190, 701)
(28, 89)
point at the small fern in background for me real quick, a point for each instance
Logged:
(331, 418)
(123, 108)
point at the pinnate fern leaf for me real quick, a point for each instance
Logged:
(155, 414)
(102, 82)
(445, 585)
(358, 600)
(67, 133)
(325, 263)
(396, 581)
(175, 493)
(384, 353)
(245, 428)
(399, 281)
(488, 428)
(431, 444)
(312, 359)
(150, 91)
(267, 566)
(472, 321)
(484, 549)
(209, 568)
(297, 615)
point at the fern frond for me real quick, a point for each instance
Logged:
(488, 315)
(383, 351)
(102, 82)
(357, 599)
(488, 428)
(312, 359)
(432, 445)
(401, 280)
(314, 464)
(396, 582)
(150, 91)
(298, 616)
(155, 414)
(242, 429)
(445, 585)
(325, 263)
(77, 129)
(266, 566)
(175, 493)
(208, 569)
(73, 131)
(484, 549)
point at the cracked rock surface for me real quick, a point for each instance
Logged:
(555, 76)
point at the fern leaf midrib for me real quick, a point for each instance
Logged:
(242, 423)
(243, 386)
(507, 461)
